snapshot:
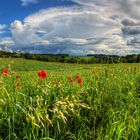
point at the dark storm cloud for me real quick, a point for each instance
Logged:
(135, 41)
(130, 22)
(131, 30)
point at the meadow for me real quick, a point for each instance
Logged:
(71, 101)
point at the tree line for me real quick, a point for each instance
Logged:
(65, 58)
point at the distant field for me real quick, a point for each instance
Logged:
(74, 101)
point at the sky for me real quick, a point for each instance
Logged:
(75, 27)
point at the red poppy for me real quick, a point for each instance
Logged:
(42, 74)
(80, 81)
(70, 80)
(18, 76)
(39, 74)
(77, 77)
(5, 72)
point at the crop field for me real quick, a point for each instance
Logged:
(60, 101)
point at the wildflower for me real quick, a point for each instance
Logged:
(39, 74)
(18, 76)
(42, 74)
(79, 80)
(77, 77)
(70, 80)
(5, 72)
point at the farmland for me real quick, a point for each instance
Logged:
(104, 104)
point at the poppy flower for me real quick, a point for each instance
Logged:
(5, 72)
(18, 76)
(42, 74)
(80, 81)
(70, 80)
(77, 77)
(39, 74)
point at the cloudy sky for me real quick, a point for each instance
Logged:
(75, 27)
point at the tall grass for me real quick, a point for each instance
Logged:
(106, 106)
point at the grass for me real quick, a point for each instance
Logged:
(106, 106)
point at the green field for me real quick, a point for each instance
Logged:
(104, 106)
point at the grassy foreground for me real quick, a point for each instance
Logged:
(104, 106)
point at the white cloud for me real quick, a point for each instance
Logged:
(6, 42)
(23, 35)
(70, 27)
(2, 28)
(28, 2)
(126, 12)
(128, 8)
(71, 22)
(93, 27)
